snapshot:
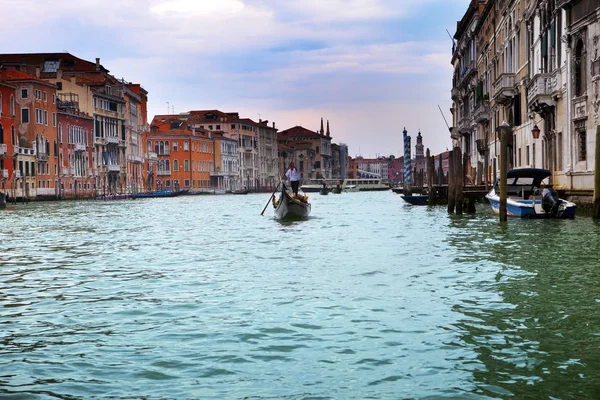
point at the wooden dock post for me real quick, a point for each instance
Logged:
(596, 202)
(504, 132)
(459, 179)
(430, 172)
(451, 199)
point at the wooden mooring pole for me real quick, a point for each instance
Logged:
(504, 132)
(451, 199)
(596, 202)
(459, 179)
(430, 174)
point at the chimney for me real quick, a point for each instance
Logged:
(328, 134)
(97, 64)
(273, 125)
(37, 72)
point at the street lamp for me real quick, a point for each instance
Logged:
(535, 132)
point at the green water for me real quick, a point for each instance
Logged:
(202, 298)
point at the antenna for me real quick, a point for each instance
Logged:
(444, 117)
(168, 108)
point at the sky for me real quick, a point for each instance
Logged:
(370, 67)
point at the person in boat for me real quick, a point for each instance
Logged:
(294, 177)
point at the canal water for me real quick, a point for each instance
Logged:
(200, 297)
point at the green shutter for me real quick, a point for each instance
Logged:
(553, 33)
(545, 44)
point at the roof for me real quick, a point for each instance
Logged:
(13, 75)
(301, 132)
(206, 116)
(174, 133)
(50, 62)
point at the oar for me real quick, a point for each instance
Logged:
(272, 195)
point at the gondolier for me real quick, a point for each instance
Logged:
(294, 177)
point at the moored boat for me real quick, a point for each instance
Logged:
(527, 197)
(418, 200)
(364, 185)
(290, 206)
(161, 193)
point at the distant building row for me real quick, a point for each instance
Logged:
(70, 129)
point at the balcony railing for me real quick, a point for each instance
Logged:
(163, 172)
(134, 158)
(112, 139)
(164, 153)
(24, 151)
(66, 171)
(80, 146)
(17, 174)
(4, 173)
(541, 89)
(2, 149)
(151, 156)
(113, 168)
(42, 156)
(482, 111)
(504, 88)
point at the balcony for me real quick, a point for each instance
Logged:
(163, 172)
(152, 156)
(66, 171)
(2, 149)
(80, 147)
(112, 140)
(542, 91)
(99, 140)
(482, 111)
(464, 125)
(42, 156)
(165, 153)
(134, 159)
(17, 174)
(24, 151)
(113, 168)
(455, 93)
(4, 173)
(504, 88)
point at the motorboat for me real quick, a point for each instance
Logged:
(364, 185)
(416, 200)
(528, 197)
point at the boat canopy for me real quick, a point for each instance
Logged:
(537, 175)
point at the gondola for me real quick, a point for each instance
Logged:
(288, 206)
(421, 200)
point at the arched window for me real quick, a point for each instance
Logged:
(186, 165)
(156, 147)
(175, 165)
(12, 105)
(59, 133)
(161, 165)
(167, 165)
(14, 138)
(579, 68)
(162, 148)
(167, 149)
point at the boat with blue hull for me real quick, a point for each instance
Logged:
(528, 197)
(418, 200)
(161, 193)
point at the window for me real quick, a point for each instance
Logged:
(186, 165)
(579, 79)
(527, 155)
(186, 183)
(581, 144)
(24, 94)
(59, 133)
(317, 149)
(45, 117)
(25, 115)
(232, 126)
(12, 106)
(185, 146)
(53, 98)
(218, 127)
(175, 165)
(45, 96)
(175, 146)
(54, 119)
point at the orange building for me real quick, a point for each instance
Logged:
(8, 135)
(185, 159)
(35, 153)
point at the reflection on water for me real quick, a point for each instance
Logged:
(201, 297)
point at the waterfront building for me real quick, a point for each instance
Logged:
(35, 136)
(75, 150)
(343, 160)
(373, 167)
(8, 134)
(268, 162)
(533, 65)
(320, 141)
(135, 127)
(303, 155)
(225, 175)
(185, 159)
(335, 160)
(98, 94)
